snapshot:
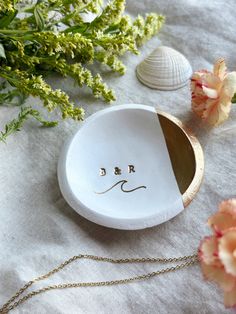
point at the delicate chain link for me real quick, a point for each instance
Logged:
(9, 305)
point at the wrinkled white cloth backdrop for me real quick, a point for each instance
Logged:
(38, 230)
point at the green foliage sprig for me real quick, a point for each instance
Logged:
(52, 36)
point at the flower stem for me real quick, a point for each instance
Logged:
(234, 99)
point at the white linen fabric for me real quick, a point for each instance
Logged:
(38, 230)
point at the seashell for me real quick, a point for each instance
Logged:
(165, 69)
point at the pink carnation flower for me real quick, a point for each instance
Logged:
(217, 253)
(212, 93)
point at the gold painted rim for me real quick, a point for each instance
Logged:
(195, 184)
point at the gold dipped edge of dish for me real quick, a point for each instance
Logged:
(186, 155)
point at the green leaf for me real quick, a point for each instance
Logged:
(36, 115)
(6, 19)
(39, 19)
(16, 124)
(2, 51)
(234, 99)
(3, 85)
(14, 97)
(76, 28)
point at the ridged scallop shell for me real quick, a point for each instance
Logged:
(165, 69)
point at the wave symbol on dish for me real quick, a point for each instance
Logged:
(122, 183)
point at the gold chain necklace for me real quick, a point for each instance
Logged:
(12, 303)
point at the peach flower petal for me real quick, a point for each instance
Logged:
(225, 218)
(228, 206)
(211, 81)
(227, 251)
(221, 221)
(208, 251)
(229, 84)
(217, 253)
(216, 113)
(220, 68)
(219, 276)
(212, 93)
(230, 298)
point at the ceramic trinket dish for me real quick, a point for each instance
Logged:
(164, 69)
(130, 167)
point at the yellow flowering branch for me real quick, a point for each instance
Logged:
(53, 37)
